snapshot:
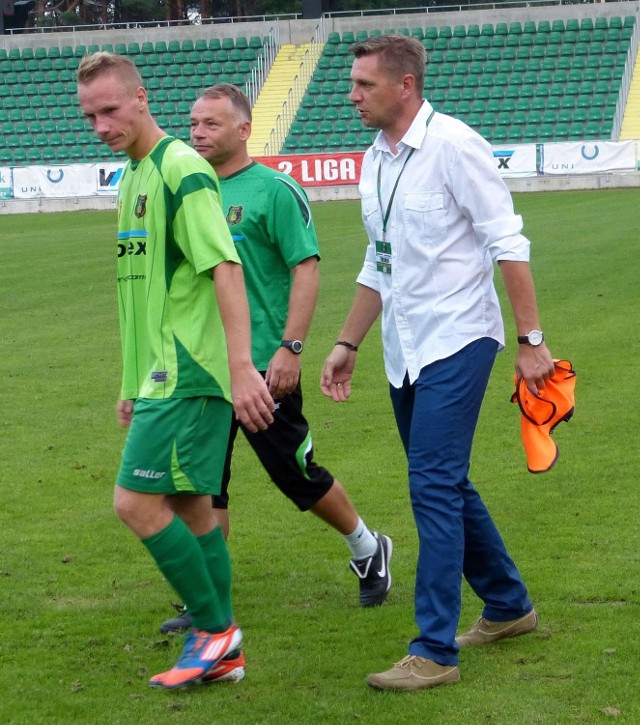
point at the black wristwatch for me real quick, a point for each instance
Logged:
(295, 346)
(534, 338)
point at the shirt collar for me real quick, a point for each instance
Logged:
(414, 136)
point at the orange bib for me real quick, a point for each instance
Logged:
(541, 413)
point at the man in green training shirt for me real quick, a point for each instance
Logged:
(182, 366)
(271, 224)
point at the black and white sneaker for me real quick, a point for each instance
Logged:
(178, 624)
(374, 574)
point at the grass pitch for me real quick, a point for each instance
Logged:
(82, 600)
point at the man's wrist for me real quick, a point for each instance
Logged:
(294, 346)
(535, 338)
(348, 345)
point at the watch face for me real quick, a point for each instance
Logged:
(535, 338)
(296, 346)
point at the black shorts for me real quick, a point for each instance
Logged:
(285, 450)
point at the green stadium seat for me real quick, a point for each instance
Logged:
(474, 120)
(499, 134)
(350, 140)
(545, 132)
(592, 129)
(291, 144)
(34, 154)
(76, 153)
(595, 114)
(19, 155)
(320, 142)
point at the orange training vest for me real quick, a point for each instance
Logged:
(541, 413)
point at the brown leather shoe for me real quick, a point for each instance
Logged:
(485, 631)
(414, 673)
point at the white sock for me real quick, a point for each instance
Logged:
(361, 542)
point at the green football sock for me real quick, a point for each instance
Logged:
(216, 554)
(179, 557)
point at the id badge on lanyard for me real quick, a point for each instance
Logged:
(383, 247)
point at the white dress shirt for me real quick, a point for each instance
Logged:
(451, 218)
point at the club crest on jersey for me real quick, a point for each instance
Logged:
(234, 215)
(141, 206)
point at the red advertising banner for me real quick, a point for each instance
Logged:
(318, 169)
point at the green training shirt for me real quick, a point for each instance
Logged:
(171, 233)
(271, 224)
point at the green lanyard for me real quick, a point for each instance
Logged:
(387, 213)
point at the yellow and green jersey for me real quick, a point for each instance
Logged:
(171, 234)
(270, 221)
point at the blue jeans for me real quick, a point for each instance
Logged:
(436, 418)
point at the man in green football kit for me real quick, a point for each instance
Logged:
(182, 366)
(271, 224)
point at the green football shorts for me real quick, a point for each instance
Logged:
(176, 445)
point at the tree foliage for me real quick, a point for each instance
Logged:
(92, 12)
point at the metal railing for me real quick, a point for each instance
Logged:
(197, 21)
(260, 72)
(150, 24)
(459, 7)
(294, 94)
(625, 85)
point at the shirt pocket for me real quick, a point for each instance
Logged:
(371, 216)
(425, 216)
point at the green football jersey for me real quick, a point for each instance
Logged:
(171, 233)
(271, 224)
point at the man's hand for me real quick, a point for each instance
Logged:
(335, 380)
(124, 411)
(283, 373)
(535, 365)
(252, 403)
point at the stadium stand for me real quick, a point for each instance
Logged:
(550, 81)
(45, 95)
(544, 80)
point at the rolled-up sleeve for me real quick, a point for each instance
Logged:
(369, 276)
(484, 199)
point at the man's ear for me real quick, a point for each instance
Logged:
(409, 84)
(245, 130)
(141, 95)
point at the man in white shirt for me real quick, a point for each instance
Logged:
(437, 216)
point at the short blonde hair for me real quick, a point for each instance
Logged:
(398, 54)
(102, 63)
